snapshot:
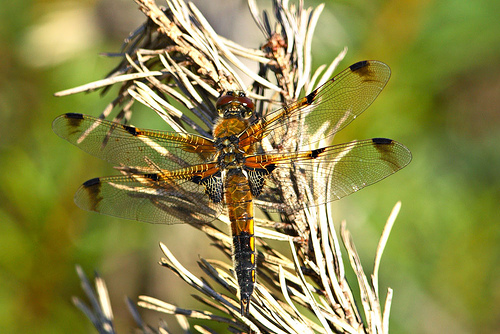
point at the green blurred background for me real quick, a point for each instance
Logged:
(443, 257)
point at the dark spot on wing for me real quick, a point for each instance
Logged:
(382, 141)
(91, 182)
(153, 177)
(389, 153)
(270, 168)
(74, 115)
(256, 178)
(383, 145)
(131, 129)
(74, 119)
(359, 65)
(362, 68)
(93, 189)
(315, 153)
(213, 186)
(310, 97)
(196, 179)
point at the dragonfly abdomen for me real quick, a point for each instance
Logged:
(240, 208)
(244, 260)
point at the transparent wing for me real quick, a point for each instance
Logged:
(333, 172)
(124, 145)
(326, 110)
(154, 198)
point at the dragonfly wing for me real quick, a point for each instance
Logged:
(326, 110)
(333, 172)
(124, 145)
(153, 198)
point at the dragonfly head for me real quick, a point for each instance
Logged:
(235, 104)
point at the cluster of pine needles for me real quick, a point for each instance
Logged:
(177, 59)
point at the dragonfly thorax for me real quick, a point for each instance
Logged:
(229, 154)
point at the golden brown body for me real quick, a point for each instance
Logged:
(239, 201)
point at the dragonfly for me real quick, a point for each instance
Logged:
(172, 177)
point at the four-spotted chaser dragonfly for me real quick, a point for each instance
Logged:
(174, 177)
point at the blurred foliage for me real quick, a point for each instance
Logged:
(443, 257)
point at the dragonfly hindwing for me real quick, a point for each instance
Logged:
(257, 178)
(213, 186)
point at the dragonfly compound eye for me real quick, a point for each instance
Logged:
(247, 102)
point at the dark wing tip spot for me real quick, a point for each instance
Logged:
(91, 182)
(73, 115)
(73, 120)
(382, 141)
(89, 196)
(360, 64)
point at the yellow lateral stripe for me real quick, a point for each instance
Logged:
(202, 170)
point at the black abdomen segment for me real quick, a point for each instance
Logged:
(244, 259)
